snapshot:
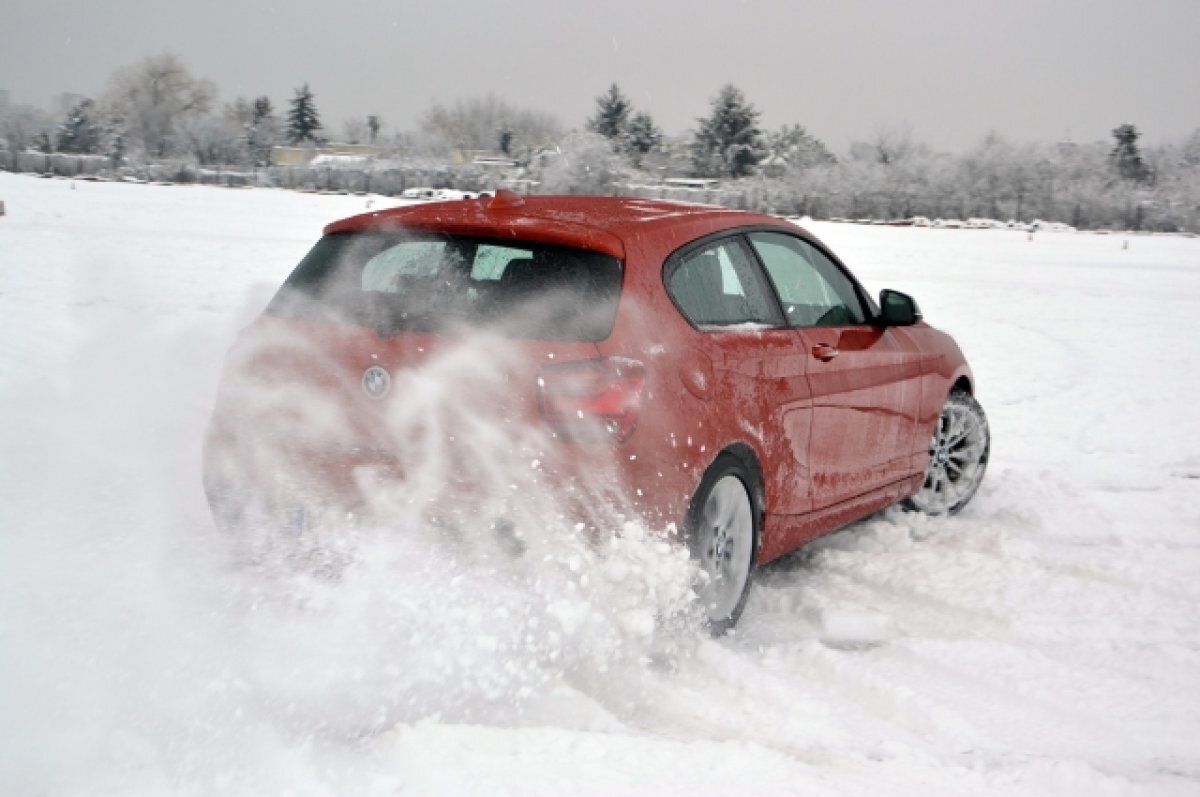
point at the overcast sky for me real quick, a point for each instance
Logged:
(947, 70)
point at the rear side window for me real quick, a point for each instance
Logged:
(398, 282)
(719, 286)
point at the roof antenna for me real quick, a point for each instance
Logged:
(505, 199)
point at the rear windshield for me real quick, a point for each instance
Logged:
(397, 282)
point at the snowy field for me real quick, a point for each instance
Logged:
(1044, 642)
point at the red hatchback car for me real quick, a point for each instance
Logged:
(716, 372)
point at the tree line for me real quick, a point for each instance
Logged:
(156, 109)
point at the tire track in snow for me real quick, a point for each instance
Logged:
(1108, 567)
(917, 612)
(801, 701)
(914, 610)
(1027, 622)
(1031, 704)
(1070, 363)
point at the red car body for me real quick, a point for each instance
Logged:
(833, 419)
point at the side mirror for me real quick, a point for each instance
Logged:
(898, 309)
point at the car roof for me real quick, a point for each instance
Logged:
(602, 224)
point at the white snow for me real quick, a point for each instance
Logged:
(1044, 642)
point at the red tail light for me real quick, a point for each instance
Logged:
(593, 399)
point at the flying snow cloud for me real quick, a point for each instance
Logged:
(146, 648)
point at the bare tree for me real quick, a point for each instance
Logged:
(1189, 151)
(476, 124)
(215, 140)
(888, 174)
(23, 128)
(800, 148)
(264, 131)
(357, 130)
(240, 111)
(154, 98)
(585, 164)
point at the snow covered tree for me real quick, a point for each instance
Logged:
(240, 112)
(586, 164)
(82, 131)
(728, 142)
(373, 125)
(798, 147)
(612, 114)
(262, 109)
(355, 130)
(215, 140)
(1189, 154)
(641, 137)
(632, 134)
(116, 150)
(22, 126)
(887, 146)
(154, 98)
(263, 132)
(253, 128)
(475, 124)
(1126, 158)
(303, 121)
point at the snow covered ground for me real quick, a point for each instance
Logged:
(1044, 642)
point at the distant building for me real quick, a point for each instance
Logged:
(303, 156)
(500, 162)
(468, 155)
(699, 183)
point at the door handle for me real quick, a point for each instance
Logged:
(824, 352)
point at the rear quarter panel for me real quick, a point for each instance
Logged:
(690, 411)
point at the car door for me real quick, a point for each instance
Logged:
(758, 368)
(864, 382)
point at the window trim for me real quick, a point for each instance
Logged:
(285, 297)
(672, 262)
(871, 311)
(736, 236)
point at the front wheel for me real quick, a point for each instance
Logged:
(958, 457)
(723, 529)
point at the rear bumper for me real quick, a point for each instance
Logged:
(593, 485)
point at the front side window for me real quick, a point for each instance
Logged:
(719, 286)
(395, 281)
(814, 291)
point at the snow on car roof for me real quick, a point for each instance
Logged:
(599, 223)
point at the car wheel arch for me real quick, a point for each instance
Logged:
(717, 527)
(746, 454)
(959, 382)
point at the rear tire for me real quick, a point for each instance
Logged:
(958, 457)
(723, 526)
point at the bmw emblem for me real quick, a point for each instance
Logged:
(376, 382)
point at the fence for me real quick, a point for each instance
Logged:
(823, 199)
(391, 180)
